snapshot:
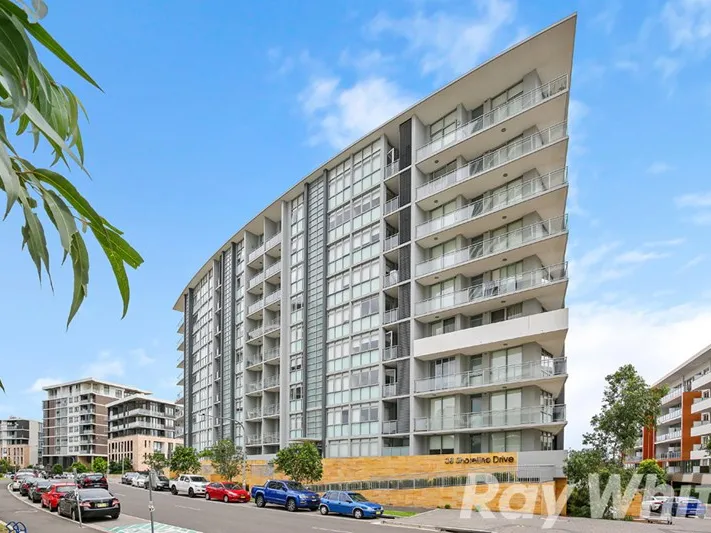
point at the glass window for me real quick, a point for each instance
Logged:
(441, 445)
(444, 128)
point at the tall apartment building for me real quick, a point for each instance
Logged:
(140, 425)
(684, 426)
(21, 441)
(408, 296)
(76, 420)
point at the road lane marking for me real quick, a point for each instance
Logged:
(331, 530)
(186, 507)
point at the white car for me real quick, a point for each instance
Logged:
(192, 485)
(140, 481)
(19, 478)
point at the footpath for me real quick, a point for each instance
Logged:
(14, 510)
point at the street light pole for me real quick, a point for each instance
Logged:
(244, 439)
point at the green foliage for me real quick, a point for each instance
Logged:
(5, 466)
(184, 460)
(57, 469)
(300, 461)
(45, 109)
(99, 464)
(628, 405)
(79, 467)
(651, 467)
(156, 461)
(226, 459)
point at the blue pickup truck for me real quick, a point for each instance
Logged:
(289, 494)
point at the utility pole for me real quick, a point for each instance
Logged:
(152, 475)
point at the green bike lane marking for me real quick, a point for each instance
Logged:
(146, 527)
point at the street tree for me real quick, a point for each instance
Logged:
(5, 466)
(650, 467)
(628, 405)
(57, 469)
(184, 460)
(79, 467)
(156, 461)
(226, 459)
(44, 110)
(99, 464)
(301, 461)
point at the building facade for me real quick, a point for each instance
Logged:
(76, 420)
(21, 441)
(140, 425)
(408, 297)
(684, 426)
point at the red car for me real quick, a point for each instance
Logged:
(50, 498)
(227, 492)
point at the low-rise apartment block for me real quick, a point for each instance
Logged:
(141, 425)
(76, 420)
(20, 441)
(684, 425)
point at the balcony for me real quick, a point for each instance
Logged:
(478, 176)
(389, 353)
(272, 354)
(271, 382)
(272, 297)
(389, 390)
(256, 253)
(396, 451)
(254, 361)
(701, 404)
(390, 427)
(253, 440)
(272, 242)
(391, 242)
(671, 415)
(181, 325)
(272, 270)
(700, 428)
(271, 410)
(672, 435)
(670, 455)
(181, 360)
(540, 194)
(391, 206)
(391, 315)
(254, 413)
(391, 278)
(180, 379)
(256, 306)
(486, 255)
(498, 115)
(256, 280)
(392, 169)
(552, 419)
(181, 344)
(254, 387)
(534, 283)
(548, 375)
(265, 329)
(271, 438)
(673, 394)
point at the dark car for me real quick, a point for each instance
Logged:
(37, 489)
(90, 502)
(127, 478)
(95, 481)
(26, 484)
(162, 483)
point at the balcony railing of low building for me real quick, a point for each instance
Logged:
(525, 416)
(495, 245)
(669, 436)
(495, 202)
(396, 451)
(514, 106)
(426, 480)
(502, 374)
(671, 415)
(494, 289)
(389, 390)
(494, 159)
(670, 455)
(390, 427)
(674, 393)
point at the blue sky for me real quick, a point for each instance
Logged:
(207, 104)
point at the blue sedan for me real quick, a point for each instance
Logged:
(349, 503)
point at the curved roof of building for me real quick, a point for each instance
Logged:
(427, 109)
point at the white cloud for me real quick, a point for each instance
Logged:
(603, 337)
(366, 61)
(104, 366)
(702, 218)
(450, 43)
(626, 66)
(694, 261)
(688, 25)
(701, 199)
(141, 357)
(663, 244)
(607, 18)
(659, 167)
(638, 256)
(667, 66)
(339, 115)
(40, 383)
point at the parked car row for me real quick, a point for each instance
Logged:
(293, 496)
(142, 479)
(674, 506)
(86, 497)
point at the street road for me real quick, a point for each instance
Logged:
(218, 517)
